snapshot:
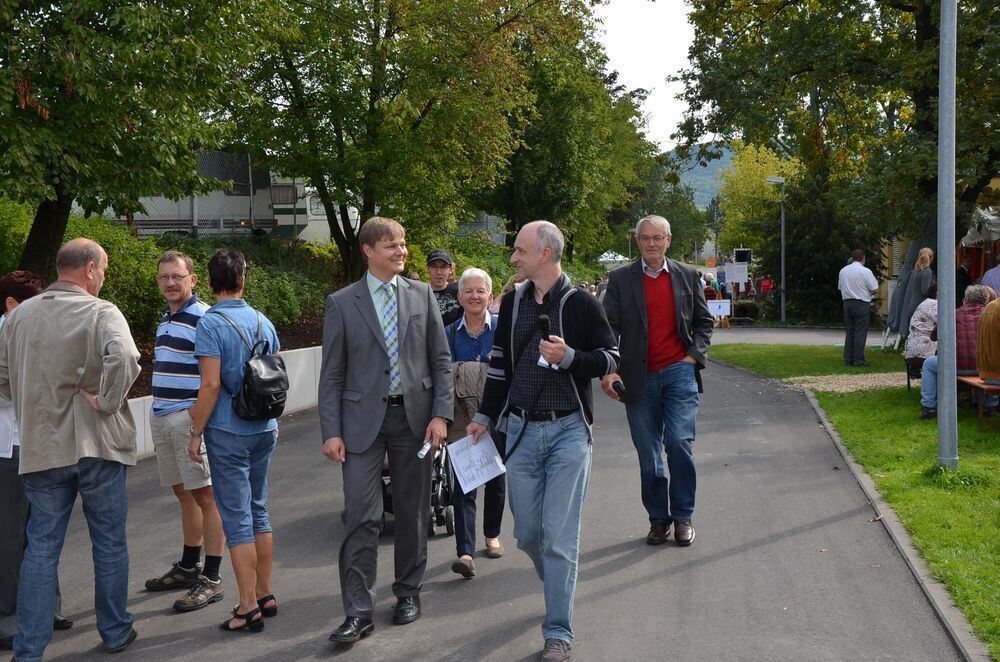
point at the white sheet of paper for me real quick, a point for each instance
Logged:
(475, 464)
(545, 364)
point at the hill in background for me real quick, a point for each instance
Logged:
(704, 179)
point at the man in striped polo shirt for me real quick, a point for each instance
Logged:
(176, 380)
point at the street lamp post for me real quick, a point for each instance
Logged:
(947, 398)
(781, 180)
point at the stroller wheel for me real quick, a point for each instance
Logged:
(449, 520)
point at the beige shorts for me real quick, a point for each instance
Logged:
(171, 435)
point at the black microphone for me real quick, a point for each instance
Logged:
(544, 325)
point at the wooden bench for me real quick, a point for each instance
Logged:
(985, 389)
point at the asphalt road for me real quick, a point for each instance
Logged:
(786, 564)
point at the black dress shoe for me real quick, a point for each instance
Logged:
(352, 629)
(406, 610)
(125, 644)
(60, 622)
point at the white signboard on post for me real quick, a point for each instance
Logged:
(720, 307)
(736, 272)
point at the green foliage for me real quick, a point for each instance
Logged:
(748, 203)
(104, 103)
(951, 515)
(285, 280)
(582, 149)
(398, 106)
(861, 79)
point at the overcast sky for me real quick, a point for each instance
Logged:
(647, 41)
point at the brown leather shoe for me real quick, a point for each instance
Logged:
(658, 533)
(683, 532)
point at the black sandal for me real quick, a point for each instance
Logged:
(268, 611)
(248, 624)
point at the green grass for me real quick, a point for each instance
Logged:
(953, 516)
(781, 361)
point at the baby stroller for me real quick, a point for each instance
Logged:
(442, 488)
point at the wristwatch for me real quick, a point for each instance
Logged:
(194, 433)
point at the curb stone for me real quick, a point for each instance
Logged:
(954, 621)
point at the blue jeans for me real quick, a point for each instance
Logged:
(51, 493)
(547, 479)
(929, 382)
(665, 419)
(239, 481)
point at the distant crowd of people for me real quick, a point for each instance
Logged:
(977, 322)
(404, 364)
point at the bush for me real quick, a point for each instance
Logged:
(746, 308)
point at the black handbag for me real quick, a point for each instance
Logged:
(264, 387)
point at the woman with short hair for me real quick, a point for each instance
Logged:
(238, 450)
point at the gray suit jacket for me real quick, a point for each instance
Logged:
(625, 305)
(354, 377)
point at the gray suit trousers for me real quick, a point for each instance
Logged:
(411, 487)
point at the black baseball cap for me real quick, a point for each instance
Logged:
(440, 254)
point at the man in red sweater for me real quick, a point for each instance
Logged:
(657, 308)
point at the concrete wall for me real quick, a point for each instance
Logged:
(303, 380)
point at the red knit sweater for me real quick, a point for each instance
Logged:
(664, 346)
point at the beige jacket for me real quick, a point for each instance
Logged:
(52, 345)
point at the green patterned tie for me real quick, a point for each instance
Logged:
(390, 329)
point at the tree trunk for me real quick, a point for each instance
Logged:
(46, 235)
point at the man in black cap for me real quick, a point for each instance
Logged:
(439, 266)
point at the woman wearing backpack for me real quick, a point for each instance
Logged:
(239, 450)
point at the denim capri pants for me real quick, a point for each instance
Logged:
(240, 464)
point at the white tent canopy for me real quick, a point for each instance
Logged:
(612, 257)
(985, 227)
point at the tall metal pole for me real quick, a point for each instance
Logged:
(250, 179)
(782, 250)
(947, 396)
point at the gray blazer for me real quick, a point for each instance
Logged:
(625, 305)
(354, 377)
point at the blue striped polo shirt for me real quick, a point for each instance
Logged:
(176, 376)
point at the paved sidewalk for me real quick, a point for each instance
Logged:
(786, 564)
(788, 336)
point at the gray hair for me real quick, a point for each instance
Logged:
(655, 220)
(981, 294)
(551, 237)
(475, 272)
(78, 253)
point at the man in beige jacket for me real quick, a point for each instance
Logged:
(67, 361)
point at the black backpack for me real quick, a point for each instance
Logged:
(264, 387)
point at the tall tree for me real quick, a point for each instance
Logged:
(861, 76)
(747, 201)
(582, 145)
(394, 106)
(102, 103)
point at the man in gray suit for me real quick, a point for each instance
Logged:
(385, 387)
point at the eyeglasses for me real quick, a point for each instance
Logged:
(646, 239)
(166, 278)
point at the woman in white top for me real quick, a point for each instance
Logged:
(14, 289)
(922, 325)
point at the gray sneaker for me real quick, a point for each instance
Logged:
(556, 650)
(175, 578)
(202, 594)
